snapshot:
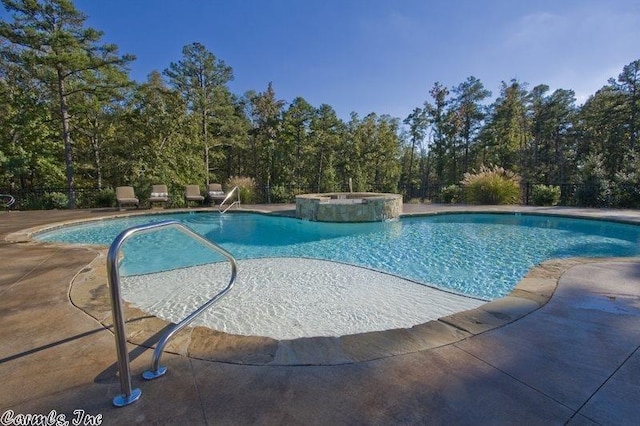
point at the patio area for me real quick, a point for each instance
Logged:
(563, 348)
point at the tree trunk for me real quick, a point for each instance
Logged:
(68, 143)
(206, 147)
(319, 183)
(95, 145)
(409, 186)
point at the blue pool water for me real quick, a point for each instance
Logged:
(482, 255)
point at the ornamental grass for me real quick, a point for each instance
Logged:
(491, 185)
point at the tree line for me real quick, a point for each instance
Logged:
(73, 119)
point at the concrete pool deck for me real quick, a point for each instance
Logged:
(572, 360)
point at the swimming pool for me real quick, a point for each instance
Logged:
(480, 255)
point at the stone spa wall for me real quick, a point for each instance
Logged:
(348, 206)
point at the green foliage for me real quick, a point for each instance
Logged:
(469, 113)
(437, 114)
(370, 155)
(197, 75)
(84, 199)
(105, 198)
(549, 155)
(246, 188)
(280, 194)
(491, 186)
(507, 131)
(626, 185)
(545, 195)
(418, 126)
(54, 200)
(450, 194)
(43, 201)
(50, 45)
(594, 189)
(118, 132)
(177, 202)
(201, 80)
(29, 202)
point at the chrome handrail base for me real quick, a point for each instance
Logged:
(150, 375)
(123, 400)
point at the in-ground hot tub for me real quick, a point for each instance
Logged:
(348, 206)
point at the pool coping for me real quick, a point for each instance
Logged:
(88, 291)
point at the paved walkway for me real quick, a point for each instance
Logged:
(576, 360)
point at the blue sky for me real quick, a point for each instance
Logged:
(380, 56)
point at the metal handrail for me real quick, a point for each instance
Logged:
(9, 202)
(130, 395)
(237, 190)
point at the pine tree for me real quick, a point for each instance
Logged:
(50, 43)
(199, 77)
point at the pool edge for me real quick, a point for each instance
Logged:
(531, 293)
(89, 293)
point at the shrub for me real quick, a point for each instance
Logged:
(54, 200)
(626, 185)
(545, 195)
(451, 194)
(177, 202)
(626, 192)
(280, 194)
(246, 188)
(105, 198)
(491, 186)
(594, 194)
(30, 202)
(595, 190)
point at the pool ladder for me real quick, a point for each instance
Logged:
(227, 198)
(7, 200)
(128, 394)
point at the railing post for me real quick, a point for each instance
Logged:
(128, 395)
(156, 369)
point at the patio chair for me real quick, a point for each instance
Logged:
(192, 193)
(125, 196)
(159, 195)
(215, 192)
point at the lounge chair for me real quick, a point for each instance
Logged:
(159, 195)
(216, 194)
(192, 193)
(125, 196)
